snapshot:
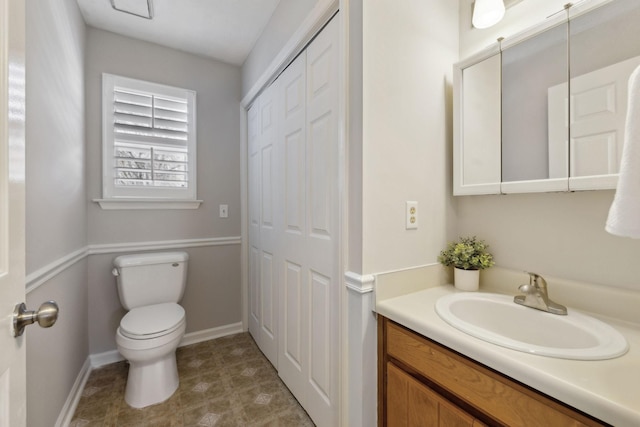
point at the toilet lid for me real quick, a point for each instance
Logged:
(152, 320)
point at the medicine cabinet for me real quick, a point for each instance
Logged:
(545, 109)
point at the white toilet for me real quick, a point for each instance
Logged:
(150, 287)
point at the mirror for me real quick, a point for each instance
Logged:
(546, 110)
(529, 69)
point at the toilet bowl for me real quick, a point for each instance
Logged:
(148, 338)
(150, 287)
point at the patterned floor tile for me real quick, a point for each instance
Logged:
(223, 382)
(209, 419)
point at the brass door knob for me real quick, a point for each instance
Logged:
(46, 316)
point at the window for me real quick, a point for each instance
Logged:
(149, 144)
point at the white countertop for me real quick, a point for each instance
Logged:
(606, 389)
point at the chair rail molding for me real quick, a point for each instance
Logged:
(358, 283)
(49, 271)
(109, 248)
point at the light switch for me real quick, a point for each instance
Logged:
(224, 211)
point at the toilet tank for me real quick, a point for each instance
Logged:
(154, 278)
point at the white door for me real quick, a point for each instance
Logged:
(323, 214)
(309, 240)
(294, 293)
(294, 279)
(253, 171)
(263, 274)
(598, 106)
(12, 182)
(598, 113)
(268, 224)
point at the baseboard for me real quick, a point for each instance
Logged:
(101, 359)
(210, 334)
(69, 408)
(108, 357)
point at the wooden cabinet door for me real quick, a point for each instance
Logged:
(412, 404)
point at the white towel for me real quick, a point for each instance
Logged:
(624, 214)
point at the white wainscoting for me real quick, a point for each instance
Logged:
(362, 351)
(49, 271)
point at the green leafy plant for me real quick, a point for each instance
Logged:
(468, 253)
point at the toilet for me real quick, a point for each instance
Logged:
(150, 287)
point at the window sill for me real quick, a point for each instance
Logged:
(120, 204)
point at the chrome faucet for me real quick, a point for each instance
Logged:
(536, 296)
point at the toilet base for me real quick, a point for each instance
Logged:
(151, 382)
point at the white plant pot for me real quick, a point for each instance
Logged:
(466, 280)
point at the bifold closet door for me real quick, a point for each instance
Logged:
(253, 183)
(308, 359)
(293, 322)
(263, 272)
(294, 281)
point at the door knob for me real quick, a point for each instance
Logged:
(46, 316)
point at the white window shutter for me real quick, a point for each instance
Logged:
(149, 143)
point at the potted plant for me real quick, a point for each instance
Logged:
(468, 256)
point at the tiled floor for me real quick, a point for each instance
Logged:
(223, 382)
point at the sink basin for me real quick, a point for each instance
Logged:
(497, 319)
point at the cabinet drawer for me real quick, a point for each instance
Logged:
(495, 395)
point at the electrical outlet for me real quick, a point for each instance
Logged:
(224, 211)
(412, 215)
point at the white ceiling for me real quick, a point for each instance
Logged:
(219, 29)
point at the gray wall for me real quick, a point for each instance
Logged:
(56, 209)
(212, 297)
(218, 132)
(283, 23)
(55, 201)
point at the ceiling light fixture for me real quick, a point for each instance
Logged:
(141, 8)
(487, 13)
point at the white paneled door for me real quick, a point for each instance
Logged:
(298, 226)
(253, 217)
(268, 226)
(322, 230)
(294, 293)
(263, 279)
(12, 199)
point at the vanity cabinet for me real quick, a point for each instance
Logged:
(422, 383)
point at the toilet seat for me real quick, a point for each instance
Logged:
(152, 321)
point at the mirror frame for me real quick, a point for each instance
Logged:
(459, 186)
(514, 187)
